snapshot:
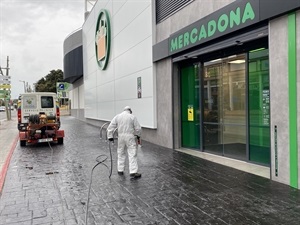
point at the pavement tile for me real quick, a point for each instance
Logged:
(47, 185)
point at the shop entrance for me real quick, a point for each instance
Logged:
(225, 106)
(224, 111)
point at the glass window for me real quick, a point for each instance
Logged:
(47, 102)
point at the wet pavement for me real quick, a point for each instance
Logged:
(49, 185)
(8, 141)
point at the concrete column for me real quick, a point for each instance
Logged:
(279, 102)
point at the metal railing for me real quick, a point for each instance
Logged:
(101, 130)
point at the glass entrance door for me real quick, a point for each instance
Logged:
(190, 110)
(224, 113)
(225, 106)
(259, 106)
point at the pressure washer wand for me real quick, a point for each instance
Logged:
(111, 161)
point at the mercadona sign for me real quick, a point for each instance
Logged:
(223, 21)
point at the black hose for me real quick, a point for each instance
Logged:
(90, 185)
(100, 160)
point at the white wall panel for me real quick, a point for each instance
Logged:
(89, 69)
(147, 82)
(76, 100)
(91, 43)
(108, 91)
(138, 58)
(90, 95)
(137, 31)
(84, 56)
(81, 96)
(89, 22)
(122, 19)
(90, 111)
(90, 81)
(90, 103)
(126, 87)
(105, 76)
(72, 94)
(105, 111)
(117, 5)
(102, 4)
(142, 109)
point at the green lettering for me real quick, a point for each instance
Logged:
(248, 13)
(193, 36)
(223, 23)
(235, 17)
(180, 44)
(174, 44)
(211, 28)
(186, 39)
(202, 33)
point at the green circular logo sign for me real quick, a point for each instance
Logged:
(102, 39)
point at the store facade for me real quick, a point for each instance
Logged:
(217, 77)
(234, 82)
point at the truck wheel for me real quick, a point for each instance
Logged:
(60, 141)
(22, 143)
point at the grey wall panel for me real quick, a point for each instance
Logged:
(160, 50)
(279, 107)
(271, 8)
(73, 65)
(74, 40)
(163, 134)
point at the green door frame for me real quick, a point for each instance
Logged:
(292, 82)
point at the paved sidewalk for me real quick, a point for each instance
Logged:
(8, 141)
(49, 186)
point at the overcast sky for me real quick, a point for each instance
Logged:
(32, 33)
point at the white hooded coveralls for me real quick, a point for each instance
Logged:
(128, 127)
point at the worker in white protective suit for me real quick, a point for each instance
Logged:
(128, 128)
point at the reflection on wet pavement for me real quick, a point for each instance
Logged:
(50, 186)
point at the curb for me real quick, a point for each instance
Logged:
(6, 163)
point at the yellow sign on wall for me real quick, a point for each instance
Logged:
(7, 86)
(190, 113)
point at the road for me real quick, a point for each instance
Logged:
(3, 115)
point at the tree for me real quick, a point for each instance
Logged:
(48, 83)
